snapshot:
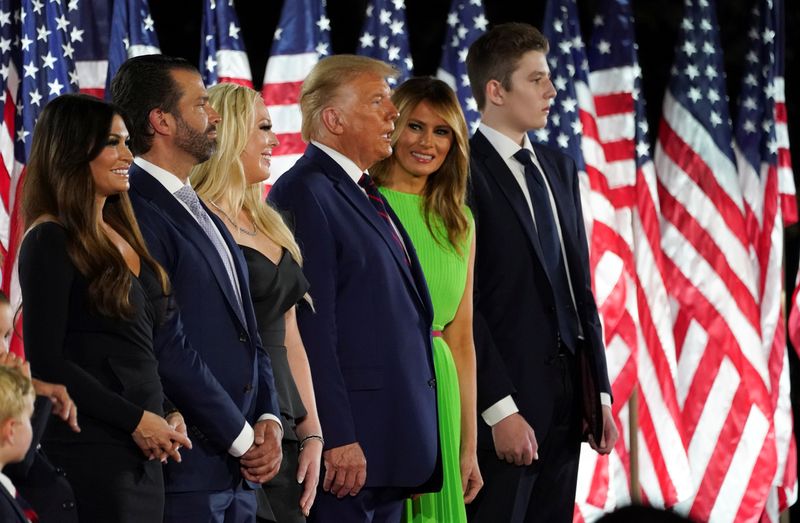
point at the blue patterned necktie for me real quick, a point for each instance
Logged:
(187, 195)
(366, 183)
(551, 249)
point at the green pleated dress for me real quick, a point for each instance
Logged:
(446, 273)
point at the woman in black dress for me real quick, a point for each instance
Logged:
(92, 298)
(230, 183)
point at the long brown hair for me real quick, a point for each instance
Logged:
(445, 190)
(59, 183)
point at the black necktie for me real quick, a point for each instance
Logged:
(547, 232)
(375, 199)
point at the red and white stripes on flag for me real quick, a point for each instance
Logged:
(786, 184)
(301, 39)
(573, 127)
(723, 378)
(628, 180)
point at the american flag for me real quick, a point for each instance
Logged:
(630, 186)
(9, 84)
(385, 36)
(43, 55)
(90, 25)
(132, 34)
(466, 21)
(757, 155)
(723, 378)
(572, 127)
(222, 55)
(301, 39)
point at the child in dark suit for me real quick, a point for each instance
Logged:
(16, 408)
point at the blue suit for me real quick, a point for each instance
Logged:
(369, 341)
(227, 342)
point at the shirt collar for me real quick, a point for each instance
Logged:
(505, 146)
(170, 182)
(5, 481)
(349, 166)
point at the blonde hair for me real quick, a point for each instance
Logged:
(445, 190)
(222, 178)
(15, 389)
(321, 86)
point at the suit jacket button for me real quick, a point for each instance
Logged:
(432, 383)
(68, 505)
(242, 337)
(248, 387)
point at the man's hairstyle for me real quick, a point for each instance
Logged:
(322, 85)
(142, 84)
(15, 389)
(496, 54)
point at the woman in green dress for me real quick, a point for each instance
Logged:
(425, 183)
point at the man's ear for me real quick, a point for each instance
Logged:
(160, 121)
(7, 431)
(495, 92)
(332, 120)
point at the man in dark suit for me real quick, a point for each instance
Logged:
(369, 341)
(236, 432)
(541, 360)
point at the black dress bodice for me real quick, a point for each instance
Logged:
(274, 290)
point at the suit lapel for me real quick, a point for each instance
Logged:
(498, 171)
(12, 502)
(167, 205)
(553, 175)
(356, 197)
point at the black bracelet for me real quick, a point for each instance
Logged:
(311, 436)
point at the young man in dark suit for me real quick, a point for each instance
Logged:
(369, 341)
(541, 360)
(232, 414)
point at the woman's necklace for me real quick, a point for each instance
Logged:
(235, 224)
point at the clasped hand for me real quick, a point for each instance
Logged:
(263, 460)
(159, 438)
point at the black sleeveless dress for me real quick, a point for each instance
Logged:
(274, 290)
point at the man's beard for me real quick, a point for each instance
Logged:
(194, 142)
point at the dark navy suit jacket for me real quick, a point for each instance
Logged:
(515, 324)
(10, 511)
(369, 341)
(241, 388)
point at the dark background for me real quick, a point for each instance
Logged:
(657, 21)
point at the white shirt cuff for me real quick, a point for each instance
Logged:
(243, 441)
(605, 399)
(274, 418)
(246, 437)
(499, 411)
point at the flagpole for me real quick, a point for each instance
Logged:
(633, 432)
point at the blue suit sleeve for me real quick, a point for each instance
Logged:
(493, 381)
(318, 328)
(184, 375)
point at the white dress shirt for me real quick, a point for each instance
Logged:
(506, 148)
(173, 184)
